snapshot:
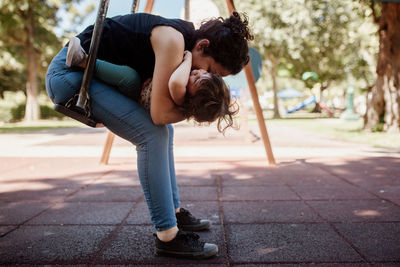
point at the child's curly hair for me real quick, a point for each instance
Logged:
(211, 102)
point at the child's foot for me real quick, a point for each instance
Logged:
(76, 56)
(187, 222)
(186, 245)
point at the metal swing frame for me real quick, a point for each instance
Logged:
(78, 107)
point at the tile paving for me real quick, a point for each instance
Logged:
(309, 210)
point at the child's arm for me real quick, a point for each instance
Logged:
(179, 79)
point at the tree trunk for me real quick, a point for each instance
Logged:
(384, 103)
(273, 72)
(32, 105)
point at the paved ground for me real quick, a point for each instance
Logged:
(326, 203)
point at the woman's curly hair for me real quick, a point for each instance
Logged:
(228, 40)
(211, 102)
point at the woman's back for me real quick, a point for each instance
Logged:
(126, 40)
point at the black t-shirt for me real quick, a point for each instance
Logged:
(126, 40)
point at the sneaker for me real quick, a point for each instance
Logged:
(186, 245)
(187, 222)
(76, 54)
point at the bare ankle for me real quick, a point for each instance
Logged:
(167, 235)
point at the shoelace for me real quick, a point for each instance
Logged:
(187, 213)
(190, 238)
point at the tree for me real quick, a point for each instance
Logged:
(384, 103)
(28, 43)
(322, 36)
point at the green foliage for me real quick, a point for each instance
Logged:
(46, 112)
(13, 37)
(335, 39)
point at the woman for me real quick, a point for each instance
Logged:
(154, 46)
(200, 95)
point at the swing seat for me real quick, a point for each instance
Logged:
(78, 107)
(75, 113)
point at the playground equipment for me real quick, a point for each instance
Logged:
(289, 93)
(303, 104)
(78, 107)
(349, 113)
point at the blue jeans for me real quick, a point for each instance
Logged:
(127, 119)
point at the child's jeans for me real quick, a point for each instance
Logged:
(127, 119)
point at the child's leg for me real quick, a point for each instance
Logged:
(124, 78)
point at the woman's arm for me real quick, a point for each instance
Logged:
(168, 46)
(179, 79)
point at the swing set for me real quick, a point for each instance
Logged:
(78, 107)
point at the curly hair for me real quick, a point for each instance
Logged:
(211, 102)
(228, 40)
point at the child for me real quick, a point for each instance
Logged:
(200, 95)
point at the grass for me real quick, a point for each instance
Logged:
(21, 127)
(343, 130)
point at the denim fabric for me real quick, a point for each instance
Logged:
(127, 119)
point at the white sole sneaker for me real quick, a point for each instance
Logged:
(75, 52)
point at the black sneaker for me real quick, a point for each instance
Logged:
(186, 245)
(187, 222)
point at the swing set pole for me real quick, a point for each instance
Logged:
(83, 98)
(256, 103)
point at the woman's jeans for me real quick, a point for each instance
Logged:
(127, 119)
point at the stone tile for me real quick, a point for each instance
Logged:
(388, 191)
(396, 202)
(140, 215)
(6, 229)
(104, 193)
(312, 179)
(84, 213)
(120, 177)
(287, 243)
(26, 192)
(251, 176)
(51, 244)
(194, 174)
(202, 210)
(171, 264)
(264, 212)
(135, 244)
(198, 193)
(17, 213)
(332, 192)
(357, 210)
(314, 264)
(376, 241)
(257, 193)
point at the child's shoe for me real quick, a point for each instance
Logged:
(76, 54)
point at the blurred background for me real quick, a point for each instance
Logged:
(316, 59)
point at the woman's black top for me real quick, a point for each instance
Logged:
(126, 40)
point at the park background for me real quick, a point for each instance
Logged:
(321, 49)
